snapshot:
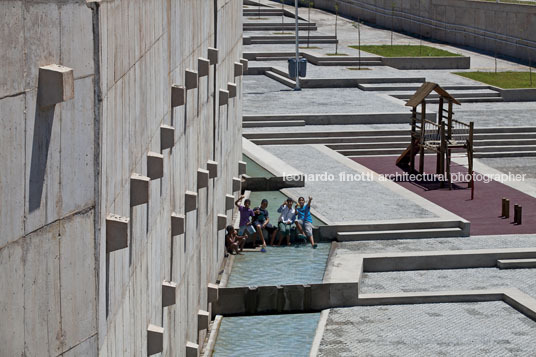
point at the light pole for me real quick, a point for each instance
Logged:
(297, 48)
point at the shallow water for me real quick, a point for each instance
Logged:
(297, 264)
(268, 335)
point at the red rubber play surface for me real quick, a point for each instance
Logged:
(483, 212)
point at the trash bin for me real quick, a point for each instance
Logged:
(302, 68)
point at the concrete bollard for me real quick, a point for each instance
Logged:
(116, 232)
(517, 214)
(139, 189)
(167, 137)
(178, 95)
(503, 207)
(55, 85)
(155, 339)
(506, 213)
(169, 290)
(155, 165)
(177, 224)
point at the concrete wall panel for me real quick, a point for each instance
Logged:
(12, 300)
(78, 288)
(11, 42)
(12, 160)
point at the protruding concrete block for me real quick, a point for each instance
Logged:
(116, 232)
(213, 292)
(167, 137)
(245, 63)
(139, 189)
(155, 165)
(229, 202)
(212, 167)
(155, 339)
(213, 55)
(238, 69)
(56, 85)
(203, 66)
(177, 224)
(178, 95)
(236, 184)
(242, 167)
(203, 319)
(222, 221)
(231, 88)
(190, 79)
(190, 199)
(202, 178)
(192, 349)
(169, 296)
(224, 97)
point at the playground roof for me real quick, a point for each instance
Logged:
(425, 90)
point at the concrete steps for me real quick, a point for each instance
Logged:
(272, 123)
(516, 263)
(254, 26)
(489, 142)
(400, 234)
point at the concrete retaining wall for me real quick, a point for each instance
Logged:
(70, 164)
(487, 26)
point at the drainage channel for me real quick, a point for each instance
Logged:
(293, 334)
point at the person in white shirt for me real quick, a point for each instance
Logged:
(286, 220)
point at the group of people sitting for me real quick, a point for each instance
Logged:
(255, 221)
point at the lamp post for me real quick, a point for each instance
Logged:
(297, 87)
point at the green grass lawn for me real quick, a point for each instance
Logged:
(502, 79)
(405, 51)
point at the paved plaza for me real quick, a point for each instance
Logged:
(478, 309)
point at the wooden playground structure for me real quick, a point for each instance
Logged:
(442, 137)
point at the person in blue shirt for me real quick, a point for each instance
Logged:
(304, 223)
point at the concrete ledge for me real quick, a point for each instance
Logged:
(284, 299)
(269, 183)
(319, 333)
(270, 162)
(338, 118)
(483, 258)
(454, 62)
(517, 95)
(330, 232)
(430, 297)
(521, 302)
(213, 55)
(516, 263)
(214, 331)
